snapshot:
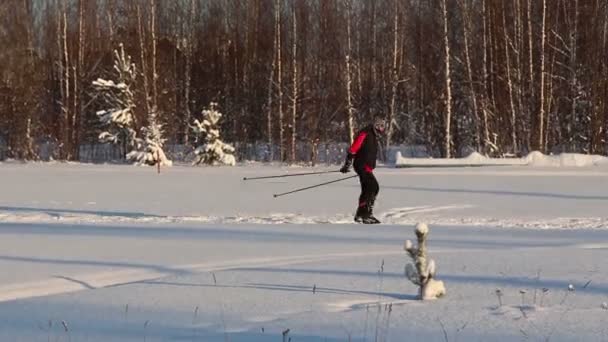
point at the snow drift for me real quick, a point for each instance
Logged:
(535, 159)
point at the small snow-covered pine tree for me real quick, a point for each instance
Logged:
(119, 98)
(213, 150)
(149, 150)
(422, 272)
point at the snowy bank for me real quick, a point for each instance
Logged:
(535, 159)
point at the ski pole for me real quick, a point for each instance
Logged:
(291, 175)
(313, 186)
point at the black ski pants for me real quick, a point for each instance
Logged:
(369, 189)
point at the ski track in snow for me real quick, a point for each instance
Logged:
(91, 281)
(395, 216)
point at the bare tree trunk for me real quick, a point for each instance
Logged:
(74, 110)
(60, 76)
(142, 55)
(349, 99)
(270, 91)
(78, 81)
(518, 56)
(448, 80)
(541, 114)
(573, 71)
(604, 97)
(394, 76)
(509, 81)
(280, 81)
(66, 100)
(238, 92)
(28, 152)
(109, 9)
(373, 74)
(29, 141)
(189, 49)
(294, 103)
(269, 113)
(359, 77)
(531, 102)
(419, 36)
(154, 66)
(549, 105)
(466, 22)
(486, 128)
(493, 57)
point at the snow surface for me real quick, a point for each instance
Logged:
(120, 253)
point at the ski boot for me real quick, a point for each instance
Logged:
(369, 218)
(361, 214)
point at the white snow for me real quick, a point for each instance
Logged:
(196, 254)
(534, 159)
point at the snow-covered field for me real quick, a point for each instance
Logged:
(120, 253)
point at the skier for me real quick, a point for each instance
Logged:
(364, 151)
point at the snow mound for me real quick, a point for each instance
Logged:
(534, 159)
(564, 160)
(476, 157)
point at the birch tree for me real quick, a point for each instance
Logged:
(279, 84)
(448, 81)
(507, 45)
(294, 83)
(541, 113)
(466, 22)
(394, 76)
(350, 124)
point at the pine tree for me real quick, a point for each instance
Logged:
(149, 150)
(213, 150)
(119, 98)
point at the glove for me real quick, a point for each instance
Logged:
(347, 163)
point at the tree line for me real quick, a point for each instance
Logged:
(498, 77)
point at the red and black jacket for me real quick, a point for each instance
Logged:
(364, 150)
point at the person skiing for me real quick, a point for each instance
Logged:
(364, 152)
